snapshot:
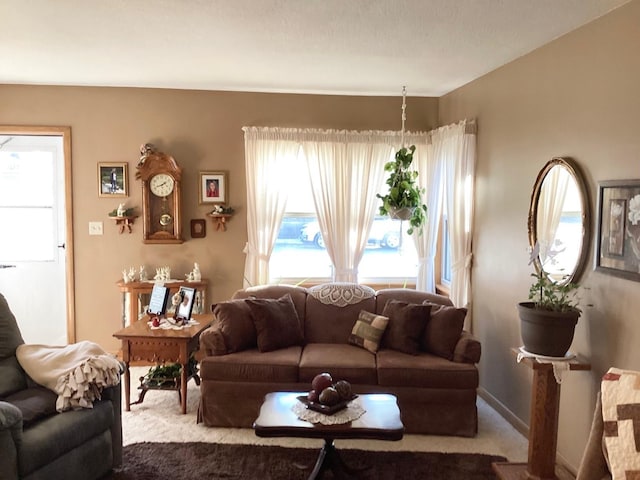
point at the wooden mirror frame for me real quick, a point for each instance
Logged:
(573, 169)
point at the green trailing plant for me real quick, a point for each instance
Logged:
(552, 296)
(404, 191)
(168, 374)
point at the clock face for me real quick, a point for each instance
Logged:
(161, 184)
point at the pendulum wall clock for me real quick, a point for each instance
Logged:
(161, 205)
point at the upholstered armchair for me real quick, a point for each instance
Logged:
(37, 442)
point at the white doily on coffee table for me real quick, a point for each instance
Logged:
(353, 411)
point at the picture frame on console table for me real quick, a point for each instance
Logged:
(618, 235)
(185, 307)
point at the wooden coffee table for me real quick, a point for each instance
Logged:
(381, 421)
(140, 342)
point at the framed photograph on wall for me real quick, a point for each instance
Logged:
(213, 187)
(618, 247)
(112, 180)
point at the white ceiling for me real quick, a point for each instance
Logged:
(358, 47)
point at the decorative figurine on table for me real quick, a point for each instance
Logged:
(163, 274)
(196, 272)
(129, 276)
(142, 275)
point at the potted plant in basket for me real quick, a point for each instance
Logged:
(548, 319)
(404, 199)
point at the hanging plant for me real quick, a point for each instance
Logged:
(404, 200)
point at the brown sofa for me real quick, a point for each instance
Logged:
(431, 369)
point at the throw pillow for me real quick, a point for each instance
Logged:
(443, 329)
(234, 321)
(276, 322)
(367, 331)
(407, 322)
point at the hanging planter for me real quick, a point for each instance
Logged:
(404, 200)
(401, 213)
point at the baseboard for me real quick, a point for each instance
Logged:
(520, 426)
(507, 414)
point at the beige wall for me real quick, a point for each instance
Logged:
(576, 97)
(202, 131)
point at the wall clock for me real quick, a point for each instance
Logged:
(161, 204)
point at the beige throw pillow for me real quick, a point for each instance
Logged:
(367, 331)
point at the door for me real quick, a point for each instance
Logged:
(33, 246)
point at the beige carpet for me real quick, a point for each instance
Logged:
(158, 419)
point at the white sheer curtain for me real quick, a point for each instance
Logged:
(346, 171)
(429, 167)
(446, 168)
(268, 152)
(459, 155)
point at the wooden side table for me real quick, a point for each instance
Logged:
(543, 429)
(140, 342)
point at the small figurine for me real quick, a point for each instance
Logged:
(121, 210)
(142, 275)
(188, 277)
(146, 149)
(195, 274)
(125, 277)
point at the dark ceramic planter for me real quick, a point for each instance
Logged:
(544, 332)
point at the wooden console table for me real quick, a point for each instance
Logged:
(543, 429)
(134, 290)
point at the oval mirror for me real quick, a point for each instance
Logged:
(559, 220)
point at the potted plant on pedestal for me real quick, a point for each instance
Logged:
(548, 320)
(404, 199)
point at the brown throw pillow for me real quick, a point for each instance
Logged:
(276, 322)
(443, 329)
(367, 331)
(407, 322)
(233, 319)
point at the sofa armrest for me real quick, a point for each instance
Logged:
(468, 349)
(10, 439)
(212, 342)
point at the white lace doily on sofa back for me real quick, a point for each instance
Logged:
(341, 294)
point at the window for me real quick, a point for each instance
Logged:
(27, 195)
(299, 254)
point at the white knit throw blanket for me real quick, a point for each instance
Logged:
(77, 373)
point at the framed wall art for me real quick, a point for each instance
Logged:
(113, 180)
(618, 242)
(213, 187)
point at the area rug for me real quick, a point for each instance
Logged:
(212, 461)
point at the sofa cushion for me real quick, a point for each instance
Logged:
(328, 323)
(12, 376)
(278, 366)
(58, 434)
(234, 321)
(408, 295)
(342, 361)
(407, 322)
(368, 331)
(35, 403)
(276, 322)
(443, 329)
(10, 336)
(397, 369)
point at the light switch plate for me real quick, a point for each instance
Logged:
(95, 228)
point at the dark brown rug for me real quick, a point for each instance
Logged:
(176, 461)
